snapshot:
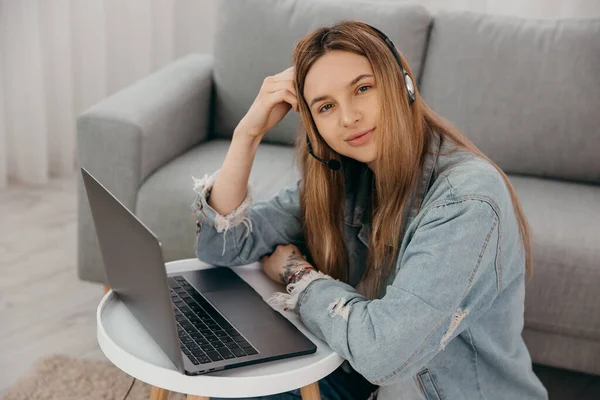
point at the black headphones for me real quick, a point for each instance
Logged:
(410, 88)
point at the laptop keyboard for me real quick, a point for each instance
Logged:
(204, 335)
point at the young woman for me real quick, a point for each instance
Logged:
(416, 249)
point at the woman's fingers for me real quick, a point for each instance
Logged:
(282, 95)
(272, 87)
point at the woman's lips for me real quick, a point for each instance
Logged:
(361, 139)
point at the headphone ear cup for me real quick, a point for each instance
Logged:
(409, 84)
(409, 87)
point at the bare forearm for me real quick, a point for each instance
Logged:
(230, 187)
(294, 264)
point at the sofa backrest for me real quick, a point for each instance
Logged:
(525, 91)
(255, 39)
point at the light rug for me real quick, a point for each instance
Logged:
(60, 377)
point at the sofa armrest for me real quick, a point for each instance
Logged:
(124, 138)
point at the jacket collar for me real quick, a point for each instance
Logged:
(358, 179)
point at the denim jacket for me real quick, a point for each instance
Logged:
(447, 322)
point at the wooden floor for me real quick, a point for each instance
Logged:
(45, 309)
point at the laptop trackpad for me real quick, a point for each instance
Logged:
(243, 308)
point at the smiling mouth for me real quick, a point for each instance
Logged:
(362, 139)
(359, 136)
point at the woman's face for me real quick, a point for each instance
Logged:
(341, 105)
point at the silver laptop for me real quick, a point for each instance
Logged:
(205, 320)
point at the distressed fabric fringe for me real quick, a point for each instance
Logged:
(238, 216)
(290, 299)
(337, 307)
(456, 319)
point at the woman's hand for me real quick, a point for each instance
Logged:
(283, 262)
(276, 97)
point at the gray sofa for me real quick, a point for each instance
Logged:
(527, 92)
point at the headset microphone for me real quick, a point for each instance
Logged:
(332, 164)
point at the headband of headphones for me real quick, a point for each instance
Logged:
(407, 81)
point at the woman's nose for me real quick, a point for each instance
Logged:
(350, 116)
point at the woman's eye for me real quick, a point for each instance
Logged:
(323, 108)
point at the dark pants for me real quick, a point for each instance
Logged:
(339, 385)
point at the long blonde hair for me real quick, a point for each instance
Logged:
(398, 168)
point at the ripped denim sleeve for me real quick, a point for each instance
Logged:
(206, 215)
(289, 300)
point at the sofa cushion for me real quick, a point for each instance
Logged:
(525, 91)
(563, 296)
(255, 39)
(164, 199)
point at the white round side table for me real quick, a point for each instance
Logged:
(130, 348)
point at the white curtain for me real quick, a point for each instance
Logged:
(59, 57)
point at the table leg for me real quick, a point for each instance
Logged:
(311, 392)
(159, 394)
(194, 397)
